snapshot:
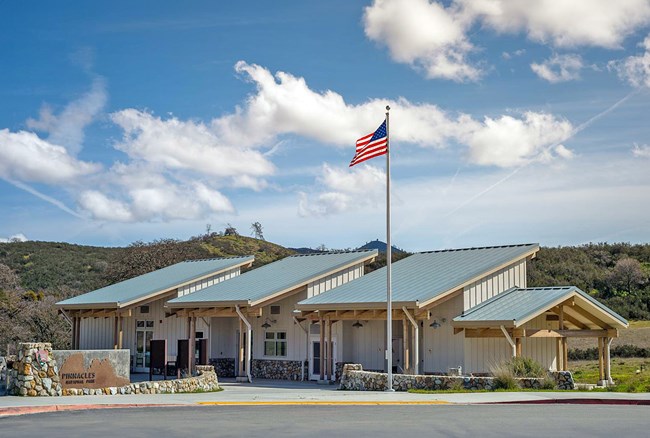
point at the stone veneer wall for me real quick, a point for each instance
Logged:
(34, 372)
(224, 367)
(355, 379)
(279, 369)
(205, 381)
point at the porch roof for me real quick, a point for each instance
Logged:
(516, 306)
(152, 284)
(274, 279)
(421, 278)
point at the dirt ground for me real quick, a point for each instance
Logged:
(637, 334)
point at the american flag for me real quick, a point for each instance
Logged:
(371, 145)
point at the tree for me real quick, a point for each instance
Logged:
(230, 230)
(8, 278)
(257, 231)
(627, 274)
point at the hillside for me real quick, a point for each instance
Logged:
(51, 265)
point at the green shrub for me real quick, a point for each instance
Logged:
(504, 378)
(525, 367)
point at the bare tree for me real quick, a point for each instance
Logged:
(627, 274)
(256, 230)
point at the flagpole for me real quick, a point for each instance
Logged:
(389, 291)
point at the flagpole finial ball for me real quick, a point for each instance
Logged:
(387, 108)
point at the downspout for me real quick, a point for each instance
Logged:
(416, 341)
(302, 369)
(510, 341)
(248, 343)
(608, 377)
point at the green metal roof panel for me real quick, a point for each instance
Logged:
(157, 281)
(267, 280)
(519, 304)
(423, 276)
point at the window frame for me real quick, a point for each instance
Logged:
(276, 342)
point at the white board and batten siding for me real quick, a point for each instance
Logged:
(493, 284)
(441, 348)
(333, 280)
(365, 345)
(207, 282)
(481, 354)
(97, 333)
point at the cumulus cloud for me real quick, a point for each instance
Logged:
(507, 141)
(185, 145)
(424, 34)
(641, 151)
(67, 128)
(343, 190)
(635, 69)
(433, 37)
(20, 237)
(26, 157)
(559, 68)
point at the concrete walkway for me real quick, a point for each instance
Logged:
(274, 392)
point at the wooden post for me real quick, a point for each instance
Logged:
(560, 343)
(565, 354)
(116, 331)
(405, 345)
(73, 341)
(517, 347)
(120, 338)
(193, 345)
(601, 370)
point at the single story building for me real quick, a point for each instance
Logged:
(131, 313)
(461, 309)
(304, 316)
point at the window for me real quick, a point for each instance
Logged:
(144, 309)
(275, 344)
(275, 310)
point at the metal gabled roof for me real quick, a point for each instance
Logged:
(162, 280)
(273, 279)
(516, 306)
(422, 277)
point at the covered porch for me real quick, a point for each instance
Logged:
(534, 319)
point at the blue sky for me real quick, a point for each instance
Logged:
(510, 121)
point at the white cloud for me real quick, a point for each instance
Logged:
(341, 190)
(433, 37)
(26, 157)
(424, 34)
(67, 129)
(559, 68)
(185, 145)
(641, 151)
(635, 69)
(20, 237)
(599, 23)
(507, 141)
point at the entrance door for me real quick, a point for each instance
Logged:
(143, 337)
(314, 357)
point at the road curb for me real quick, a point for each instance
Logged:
(576, 401)
(323, 403)
(26, 410)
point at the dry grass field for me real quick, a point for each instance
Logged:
(637, 334)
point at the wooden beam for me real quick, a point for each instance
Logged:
(580, 311)
(458, 330)
(517, 347)
(484, 333)
(542, 333)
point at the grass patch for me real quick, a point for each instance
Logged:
(624, 373)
